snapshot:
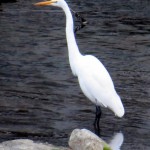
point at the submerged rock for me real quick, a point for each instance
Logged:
(25, 144)
(83, 139)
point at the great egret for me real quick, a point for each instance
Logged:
(94, 80)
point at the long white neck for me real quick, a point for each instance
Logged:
(73, 50)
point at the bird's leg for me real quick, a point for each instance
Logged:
(98, 115)
(97, 119)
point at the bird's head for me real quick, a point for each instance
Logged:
(57, 3)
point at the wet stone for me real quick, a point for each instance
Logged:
(25, 144)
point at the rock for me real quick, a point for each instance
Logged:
(83, 139)
(79, 140)
(25, 144)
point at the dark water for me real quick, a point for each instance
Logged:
(39, 97)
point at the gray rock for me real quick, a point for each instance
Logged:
(83, 139)
(25, 144)
(79, 140)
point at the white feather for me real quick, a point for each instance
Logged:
(93, 77)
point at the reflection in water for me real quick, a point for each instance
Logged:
(117, 141)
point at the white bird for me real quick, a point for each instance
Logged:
(94, 80)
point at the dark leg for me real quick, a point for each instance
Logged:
(98, 115)
(97, 119)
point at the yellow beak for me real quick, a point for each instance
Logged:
(45, 3)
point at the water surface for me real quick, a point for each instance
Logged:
(39, 97)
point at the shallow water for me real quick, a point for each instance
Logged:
(39, 97)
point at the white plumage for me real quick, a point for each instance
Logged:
(93, 78)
